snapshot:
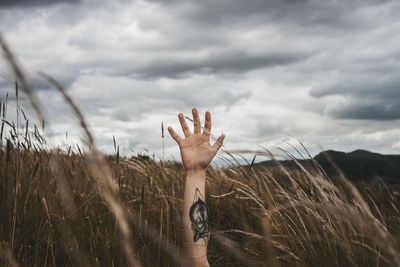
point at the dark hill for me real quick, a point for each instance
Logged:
(357, 165)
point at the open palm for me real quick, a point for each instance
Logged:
(196, 150)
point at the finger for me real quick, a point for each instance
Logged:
(185, 127)
(207, 124)
(217, 145)
(196, 121)
(174, 135)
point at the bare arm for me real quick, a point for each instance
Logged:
(196, 153)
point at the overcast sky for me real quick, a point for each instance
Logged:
(323, 72)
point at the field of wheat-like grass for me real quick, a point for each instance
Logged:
(66, 209)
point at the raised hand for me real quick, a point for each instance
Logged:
(196, 150)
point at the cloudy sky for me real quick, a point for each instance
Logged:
(323, 72)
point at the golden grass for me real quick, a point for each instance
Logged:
(258, 217)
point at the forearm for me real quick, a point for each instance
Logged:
(195, 224)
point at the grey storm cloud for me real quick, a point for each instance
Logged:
(303, 13)
(366, 97)
(369, 110)
(323, 71)
(218, 62)
(33, 3)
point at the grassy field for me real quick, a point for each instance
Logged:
(65, 208)
(74, 208)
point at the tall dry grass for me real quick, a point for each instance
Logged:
(75, 208)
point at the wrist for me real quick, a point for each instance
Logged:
(201, 172)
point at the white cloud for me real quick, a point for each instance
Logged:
(321, 72)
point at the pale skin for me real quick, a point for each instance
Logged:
(197, 153)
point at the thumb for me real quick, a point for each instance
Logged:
(217, 145)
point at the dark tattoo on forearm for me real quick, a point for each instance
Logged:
(198, 217)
